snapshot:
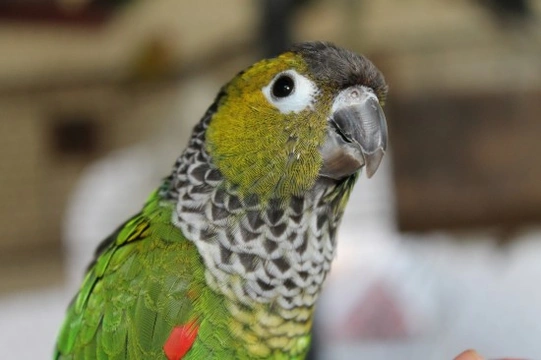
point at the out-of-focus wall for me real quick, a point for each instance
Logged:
(32, 52)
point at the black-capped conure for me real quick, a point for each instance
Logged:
(228, 256)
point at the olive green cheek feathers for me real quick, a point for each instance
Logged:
(277, 130)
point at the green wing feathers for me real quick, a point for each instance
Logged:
(141, 285)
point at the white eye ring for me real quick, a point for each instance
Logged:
(298, 97)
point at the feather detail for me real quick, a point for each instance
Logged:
(181, 340)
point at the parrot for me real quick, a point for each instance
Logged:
(228, 255)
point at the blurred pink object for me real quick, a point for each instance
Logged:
(473, 355)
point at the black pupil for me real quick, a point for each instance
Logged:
(283, 86)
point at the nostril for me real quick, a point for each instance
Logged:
(355, 94)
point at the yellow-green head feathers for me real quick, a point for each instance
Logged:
(261, 148)
(272, 119)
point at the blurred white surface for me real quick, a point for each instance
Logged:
(30, 322)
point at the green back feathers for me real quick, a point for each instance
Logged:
(146, 280)
(135, 291)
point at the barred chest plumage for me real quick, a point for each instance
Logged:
(260, 254)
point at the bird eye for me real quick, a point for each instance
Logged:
(283, 86)
(290, 91)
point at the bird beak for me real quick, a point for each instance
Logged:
(356, 134)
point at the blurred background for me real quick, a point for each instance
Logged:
(439, 252)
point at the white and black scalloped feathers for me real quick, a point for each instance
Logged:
(283, 253)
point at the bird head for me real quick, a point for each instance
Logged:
(314, 112)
